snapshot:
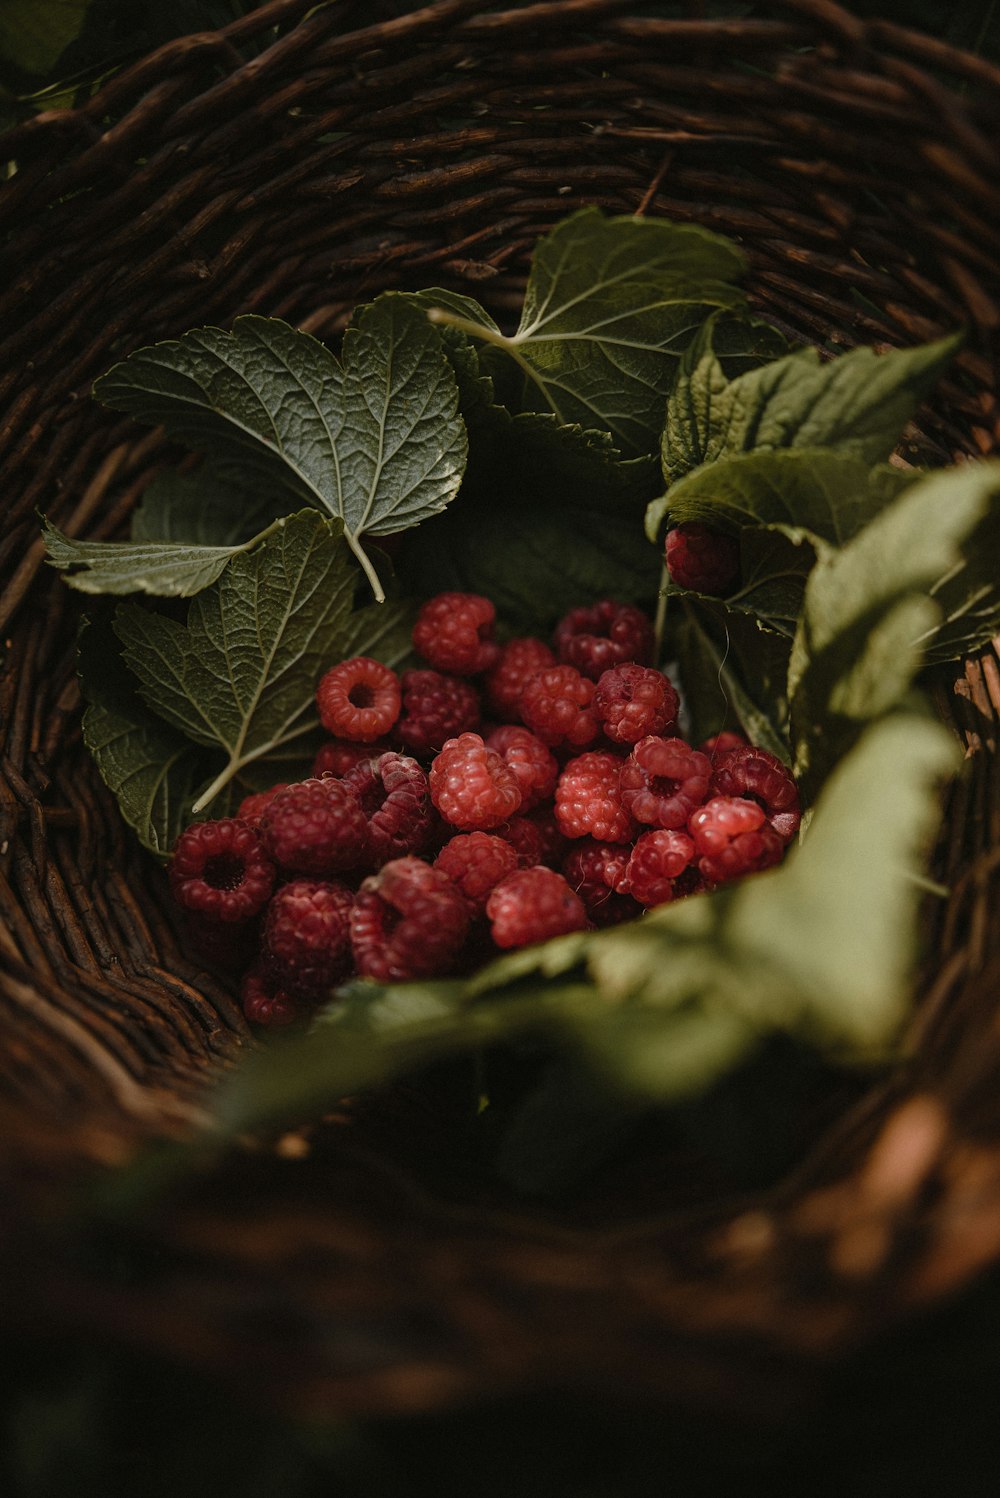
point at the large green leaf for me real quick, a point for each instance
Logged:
(166, 569)
(35, 33)
(203, 509)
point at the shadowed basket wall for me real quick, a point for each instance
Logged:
(292, 165)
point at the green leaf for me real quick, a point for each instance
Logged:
(35, 33)
(203, 509)
(375, 440)
(732, 672)
(162, 568)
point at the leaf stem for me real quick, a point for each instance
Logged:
(366, 565)
(499, 340)
(219, 783)
(660, 623)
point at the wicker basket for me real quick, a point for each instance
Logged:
(297, 162)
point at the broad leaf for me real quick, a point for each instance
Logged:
(732, 672)
(203, 509)
(166, 569)
(35, 33)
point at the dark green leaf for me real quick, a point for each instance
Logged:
(35, 33)
(732, 672)
(203, 509)
(166, 569)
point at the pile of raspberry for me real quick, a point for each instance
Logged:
(498, 796)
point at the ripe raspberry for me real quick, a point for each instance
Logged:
(533, 905)
(408, 921)
(759, 776)
(656, 863)
(663, 780)
(394, 796)
(596, 871)
(524, 836)
(359, 699)
(436, 708)
(635, 701)
(475, 862)
(701, 558)
(306, 948)
(264, 1003)
(554, 842)
(454, 632)
(608, 634)
(557, 704)
(337, 756)
(471, 786)
(588, 800)
(721, 744)
(221, 870)
(732, 838)
(519, 661)
(315, 828)
(252, 807)
(530, 762)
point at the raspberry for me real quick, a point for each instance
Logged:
(635, 701)
(530, 762)
(608, 634)
(721, 744)
(252, 807)
(759, 776)
(221, 870)
(359, 699)
(533, 905)
(656, 863)
(436, 708)
(454, 632)
(588, 800)
(394, 796)
(519, 661)
(408, 921)
(663, 780)
(471, 786)
(264, 1003)
(306, 946)
(732, 838)
(524, 836)
(554, 841)
(701, 558)
(557, 704)
(596, 871)
(475, 862)
(315, 828)
(337, 756)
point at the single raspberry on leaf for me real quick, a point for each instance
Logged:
(634, 701)
(221, 870)
(266, 1004)
(475, 862)
(252, 807)
(315, 828)
(663, 780)
(394, 795)
(436, 707)
(454, 632)
(596, 871)
(733, 837)
(519, 661)
(532, 764)
(408, 921)
(657, 861)
(557, 704)
(359, 699)
(471, 786)
(607, 634)
(306, 947)
(757, 775)
(589, 802)
(721, 744)
(533, 905)
(706, 560)
(337, 756)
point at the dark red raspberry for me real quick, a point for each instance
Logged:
(408, 921)
(475, 862)
(596, 871)
(558, 705)
(221, 870)
(732, 838)
(359, 699)
(605, 635)
(252, 807)
(663, 780)
(395, 797)
(436, 708)
(524, 836)
(588, 800)
(721, 744)
(471, 786)
(534, 768)
(533, 905)
(306, 947)
(315, 828)
(518, 663)
(657, 861)
(554, 842)
(701, 558)
(337, 756)
(265, 1004)
(635, 701)
(757, 775)
(454, 632)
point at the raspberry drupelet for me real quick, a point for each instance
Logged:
(721, 744)
(471, 786)
(394, 796)
(221, 870)
(252, 807)
(533, 765)
(475, 862)
(359, 699)
(557, 704)
(533, 905)
(315, 828)
(306, 948)
(589, 802)
(701, 558)
(436, 707)
(519, 661)
(733, 837)
(656, 863)
(454, 632)
(266, 1004)
(408, 921)
(663, 780)
(634, 701)
(757, 775)
(607, 634)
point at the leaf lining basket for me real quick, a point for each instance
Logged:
(293, 164)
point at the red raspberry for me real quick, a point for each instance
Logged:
(701, 558)
(608, 634)
(656, 863)
(519, 661)
(524, 754)
(264, 1004)
(221, 870)
(663, 780)
(524, 836)
(554, 841)
(475, 862)
(635, 701)
(471, 786)
(533, 905)
(408, 921)
(252, 807)
(733, 838)
(436, 708)
(759, 776)
(395, 798)
(596, 871)
(721, 744)
(359, 699)
(315, 828)
(454, 632)
(306, 947)
(588, 800)
(337, 756)
(558, 705)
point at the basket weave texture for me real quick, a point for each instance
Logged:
(293, 164)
